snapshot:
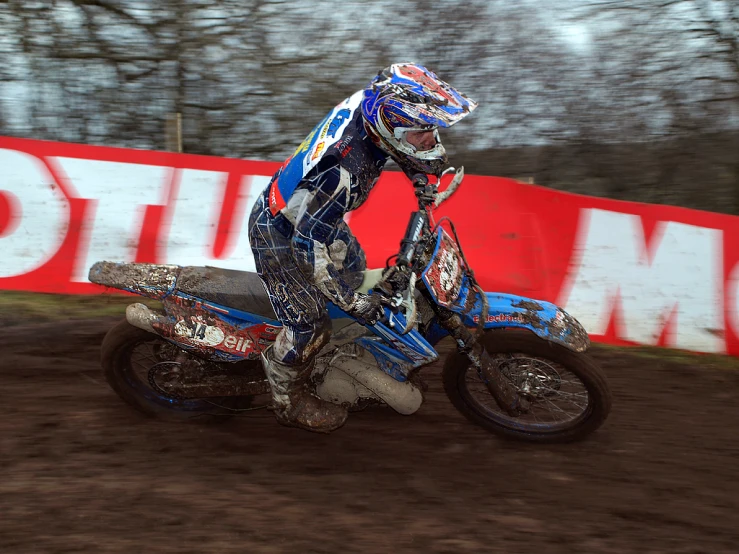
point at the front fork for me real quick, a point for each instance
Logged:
(502, 390)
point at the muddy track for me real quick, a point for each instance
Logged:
(81, 472)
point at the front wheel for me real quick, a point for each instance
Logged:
(568, 393)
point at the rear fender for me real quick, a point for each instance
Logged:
(200, 326)
(196, 326)
(156, 281)
(545, 319)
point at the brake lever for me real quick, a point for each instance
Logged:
(453, 186)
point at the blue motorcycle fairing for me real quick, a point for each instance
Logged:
(395, 354)
(504, 310)
(545, 319)
(237, 318)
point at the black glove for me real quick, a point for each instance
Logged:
(366, 308)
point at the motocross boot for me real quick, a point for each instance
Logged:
(294, 403)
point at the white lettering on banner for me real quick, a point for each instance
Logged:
(686, 272)
(195, 215)
(39, 216)
(121, 191)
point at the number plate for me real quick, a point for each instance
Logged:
(444, 275)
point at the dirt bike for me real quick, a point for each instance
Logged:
(520, 369)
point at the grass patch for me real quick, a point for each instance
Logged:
(25, 307)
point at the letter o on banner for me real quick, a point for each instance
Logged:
(34, 213)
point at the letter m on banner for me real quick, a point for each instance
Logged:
(676, 280)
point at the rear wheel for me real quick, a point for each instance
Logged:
(568, 394)
(128, 355)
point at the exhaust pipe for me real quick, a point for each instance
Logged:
(139, 315)
(403, 397)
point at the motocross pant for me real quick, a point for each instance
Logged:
(298, 304)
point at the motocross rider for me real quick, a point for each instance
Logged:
(305, 253)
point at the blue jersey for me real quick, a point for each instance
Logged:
(330, 174)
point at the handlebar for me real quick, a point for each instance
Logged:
(428, 196)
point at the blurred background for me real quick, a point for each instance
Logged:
(629, 99)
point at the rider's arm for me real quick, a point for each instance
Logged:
(321, 210)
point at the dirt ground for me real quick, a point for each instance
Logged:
(82, 472)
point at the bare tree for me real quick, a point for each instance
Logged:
(645, 110)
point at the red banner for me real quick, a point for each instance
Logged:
(631, 273)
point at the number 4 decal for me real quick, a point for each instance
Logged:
(197, 330)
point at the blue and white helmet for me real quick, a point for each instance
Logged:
(408, 97)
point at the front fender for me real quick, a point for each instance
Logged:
(542, 318)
